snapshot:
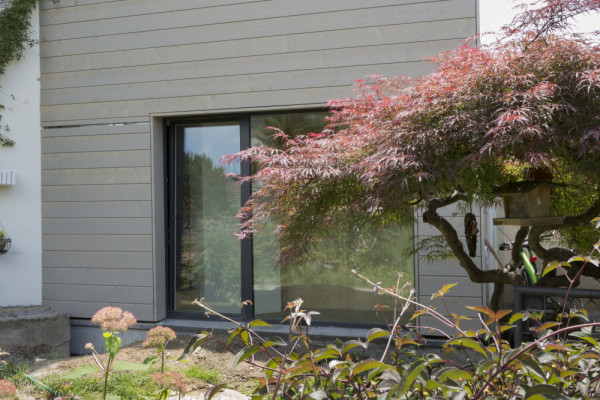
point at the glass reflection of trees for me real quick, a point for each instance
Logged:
(378, 251)
(210, 256)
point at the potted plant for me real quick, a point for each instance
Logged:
(4, 242)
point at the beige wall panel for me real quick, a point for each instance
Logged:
(97, 226)
(443, 268)
(52, 4)
(97, 276)
(92, 130)
(254, 83)
(97, 209)
(457, 222)
(209, 12)
(429, 285)
(99, 293)
(215, 69)
(96, 159)
(97, 243)
(416, 12)
(96, 192)
(97, 260)
(464, 243)
(109, 64)
(98, 176)
(194, 14)
(82, 113)
(75, 144)
(352, 40)
(85, 309)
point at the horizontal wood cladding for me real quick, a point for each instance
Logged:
(189, 26)
(245, 49)
(446, 268)
(99, 293)
(109, 243)
(97, 142)
(85, 309)
(217, 86)
(97, 209)
(100, 260)
(81, 192)
(100, 131)
(112, 61)
(220, 103)
(374, 56)
(211, 10)
(97, 276)
(100, 176)
(97, 159)
(97, 226)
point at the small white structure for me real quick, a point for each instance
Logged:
(20, 201)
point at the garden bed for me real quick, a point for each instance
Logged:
(214, 366)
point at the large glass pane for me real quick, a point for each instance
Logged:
(325, 283)
(207, 254)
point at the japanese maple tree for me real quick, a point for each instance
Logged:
(485, 114)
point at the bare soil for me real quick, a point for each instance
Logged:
(210, 356)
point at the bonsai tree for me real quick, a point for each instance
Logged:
(455, 135)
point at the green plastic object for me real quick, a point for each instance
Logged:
(529, 268)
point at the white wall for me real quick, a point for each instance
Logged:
(20, 204)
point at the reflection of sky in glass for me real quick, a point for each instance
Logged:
(214, 141)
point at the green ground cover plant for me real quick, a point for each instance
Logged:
(561, 360)
(150, 379)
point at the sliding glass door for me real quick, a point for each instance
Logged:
(207, 257)
(208, 261)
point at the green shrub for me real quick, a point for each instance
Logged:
(561, 361)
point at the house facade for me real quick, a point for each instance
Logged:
(141, 98)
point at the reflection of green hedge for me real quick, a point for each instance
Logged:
(213, 261)
(210, 254)
(380, 252)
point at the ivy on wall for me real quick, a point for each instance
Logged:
(15, 21)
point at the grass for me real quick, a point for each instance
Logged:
(15, 373)
(133, 385)
(195, 372)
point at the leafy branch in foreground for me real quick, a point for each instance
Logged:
(561, 361)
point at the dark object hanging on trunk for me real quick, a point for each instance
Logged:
(471, 232)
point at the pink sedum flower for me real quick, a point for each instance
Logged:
(170, 380)
(8, 390)
(159, 336)
(113, 319)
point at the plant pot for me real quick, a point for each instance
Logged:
(4, 245)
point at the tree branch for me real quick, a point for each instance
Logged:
(557, 253)
(476, 275)
(515, 254)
